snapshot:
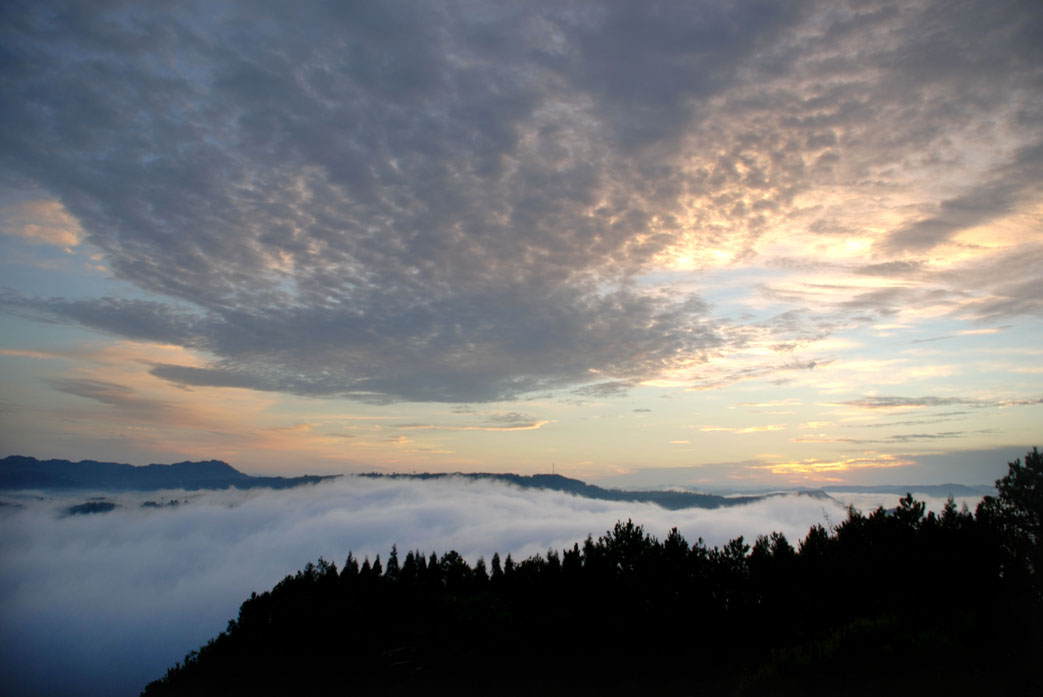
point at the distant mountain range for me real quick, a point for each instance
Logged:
(673, 500)
(21, 472)
(927, 489)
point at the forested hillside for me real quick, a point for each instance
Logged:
(897, 601)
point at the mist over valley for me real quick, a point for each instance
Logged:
(104, 602)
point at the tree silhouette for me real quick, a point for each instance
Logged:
(1014, 516)
(497, 570)
(393, 570)
(898, 600)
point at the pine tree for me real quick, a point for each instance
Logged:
(480, 573)
(497, 574)
(351, 568)
(1015, 514)
(393, 570)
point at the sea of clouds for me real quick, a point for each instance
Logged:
(101, 604)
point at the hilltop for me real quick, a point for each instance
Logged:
(22, 472)
(672, 500)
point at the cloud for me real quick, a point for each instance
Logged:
(41, 221)
(1012, 279)
(39, 355)
(762, 405)
(110, 394)
(897, 438)
(710, 381)
(969, 467)
(893, 402)
(997, 196)
(905, 402)
(511, 421)
(745, 429)
(890, 268)
(907, 437)
(826, 470)
(601, 390)
(980, 282)
(406, 358)
(915, 422)
(133, 319)
(101, 604)
(458, 203)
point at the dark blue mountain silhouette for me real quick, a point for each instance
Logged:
(667, 499)
(22, 472)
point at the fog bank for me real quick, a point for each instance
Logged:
(103, 603)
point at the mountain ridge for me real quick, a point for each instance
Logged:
(25, 472)
(21, 472)
(669, 499)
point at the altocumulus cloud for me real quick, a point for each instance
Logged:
(453, 201)
(101, 604)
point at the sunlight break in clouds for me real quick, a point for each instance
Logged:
(101, 604)
(826, 471)
(46, 222)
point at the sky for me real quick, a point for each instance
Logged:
(102, 604)
(706, 244)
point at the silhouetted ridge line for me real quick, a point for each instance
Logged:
(22, 472)
(672, 500)
(900, 602)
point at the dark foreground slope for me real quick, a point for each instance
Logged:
(887, 603)
(21, 472)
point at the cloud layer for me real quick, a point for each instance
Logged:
(458, 202)
(101, 604)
